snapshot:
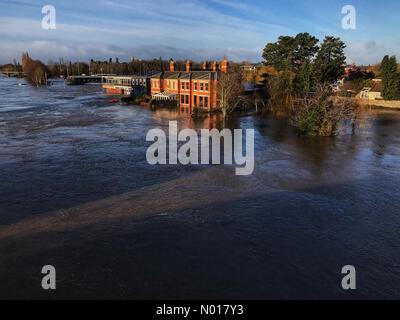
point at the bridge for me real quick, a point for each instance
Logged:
(10, 74)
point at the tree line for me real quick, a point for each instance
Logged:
(114, 66)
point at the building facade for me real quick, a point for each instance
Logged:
(127, 85)
(190, 88)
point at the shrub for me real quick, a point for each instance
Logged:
(322, 113)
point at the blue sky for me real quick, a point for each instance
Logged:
(196, 29)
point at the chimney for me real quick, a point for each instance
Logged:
(214, 66)
(171, 65)
(204, 65)
(188, 66)
(224, 67)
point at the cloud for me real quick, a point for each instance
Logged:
(198, 29)
(53, 50)
(366, 52)
(190, 26)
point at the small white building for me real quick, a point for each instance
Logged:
(374, 92)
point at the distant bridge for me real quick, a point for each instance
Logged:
(13, 73)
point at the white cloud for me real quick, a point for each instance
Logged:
(190, 25)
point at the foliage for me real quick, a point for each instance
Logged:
(321, 114)
(390, 79)
(35, 71)
(330, 60)
(302, 64)
(290, 52)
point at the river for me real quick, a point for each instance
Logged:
(77, 192)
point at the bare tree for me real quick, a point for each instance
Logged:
(229, 89)
(35, 71)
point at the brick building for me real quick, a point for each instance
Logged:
(191, 88)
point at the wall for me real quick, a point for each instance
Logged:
(380, 103)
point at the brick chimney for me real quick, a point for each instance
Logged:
(188, 66)
(171, 65)
(204, 65)
(214, 66)
(224, 67)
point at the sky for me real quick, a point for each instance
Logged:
(191, 29)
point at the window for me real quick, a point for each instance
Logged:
(206, 102)
(187, 99)
(201, 102)
(182, 85)
(206, 86)
(195, 86)
(182, 99)
(201, 86)
(187, 85)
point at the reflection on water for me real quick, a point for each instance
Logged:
(76, 192)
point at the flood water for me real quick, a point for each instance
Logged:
(77, 192)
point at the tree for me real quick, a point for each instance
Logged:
(290, 52)
(306, 48)
(321, 114)
(280, 54)
(330, 60)
(305, 79)
(390, 78)
(292, 57)
(36, 72)
(229, 89)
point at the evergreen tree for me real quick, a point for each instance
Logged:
(384, 71)
(330, 60)
(289, 53)
(305, 79)
(390, 78)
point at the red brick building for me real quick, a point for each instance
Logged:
(191, 88)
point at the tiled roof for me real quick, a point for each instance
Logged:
(172, 75)
(156, 75)
(377, 87)
(198, 75)
(203, 75)
(186, 76)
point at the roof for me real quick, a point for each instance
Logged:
(377, 87)
(186, 76)
(172, 75)
(156, 75)
(203, 75)
(197, 75)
